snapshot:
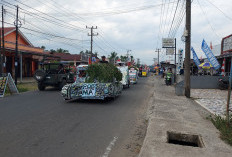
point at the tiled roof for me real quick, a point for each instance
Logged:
(7, 29)
(68, 57)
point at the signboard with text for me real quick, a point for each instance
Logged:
(7, 80)
(168, 42)
(170, 51)
(226, 45)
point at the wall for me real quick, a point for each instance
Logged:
(202, 82)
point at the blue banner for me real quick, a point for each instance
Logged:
(209, 54)
(195, 58)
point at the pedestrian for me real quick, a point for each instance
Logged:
(103, 60)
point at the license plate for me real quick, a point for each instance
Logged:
(88, 90)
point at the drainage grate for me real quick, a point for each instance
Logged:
(184, 139)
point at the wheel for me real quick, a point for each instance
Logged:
(62, 84)
(128, 86)
(41, 86)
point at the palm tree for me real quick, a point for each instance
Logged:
(123, 58)
(113, 57)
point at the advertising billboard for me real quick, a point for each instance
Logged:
(226, 46)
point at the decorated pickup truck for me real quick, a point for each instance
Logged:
(97, 81)
(133, 75)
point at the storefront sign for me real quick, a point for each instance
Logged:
(209, 54)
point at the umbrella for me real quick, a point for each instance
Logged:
(205, 65)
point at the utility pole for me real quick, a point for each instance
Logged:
(1, 66)
(17, 24)
(3, 40)
(91, 34)
(138, 62)
(127, 55)
(187, 49)
(158, 50)
(175, 63)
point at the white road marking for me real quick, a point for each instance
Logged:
(109, 148)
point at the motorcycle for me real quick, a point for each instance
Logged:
(223, 84)
(168, 79)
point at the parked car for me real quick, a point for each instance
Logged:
(125, 76)
(82, 90)
(53, 74)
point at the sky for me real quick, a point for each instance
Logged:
(137, 26)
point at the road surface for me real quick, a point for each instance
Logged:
(42, 124)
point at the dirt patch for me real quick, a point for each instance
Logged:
(137, 139)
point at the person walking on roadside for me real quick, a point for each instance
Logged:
(103, 60)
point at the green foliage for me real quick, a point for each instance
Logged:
(222, 125)
(123, 58)
(60, 50)
(102, 73)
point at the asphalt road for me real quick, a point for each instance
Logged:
(42, 124)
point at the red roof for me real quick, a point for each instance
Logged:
(7, 29)
(68, 57)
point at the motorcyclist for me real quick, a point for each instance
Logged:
(168, 78)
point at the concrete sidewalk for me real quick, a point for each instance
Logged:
(171, 113)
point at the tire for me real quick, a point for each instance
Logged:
(39, 75)
(128, 86)
(62, 84)
(41, 86)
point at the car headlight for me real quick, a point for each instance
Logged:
(38, 77)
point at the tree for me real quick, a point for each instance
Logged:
(95, 54)
(52, 51)
(60, 50)
(123, 58)
(113, 57)
(43, 47)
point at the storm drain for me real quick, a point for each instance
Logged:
(185, 139)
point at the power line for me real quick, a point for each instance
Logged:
(213, 30)
(174, 16)
(220, 10)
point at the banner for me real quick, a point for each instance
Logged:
(7, 80)
(195, 58)
(209, 54)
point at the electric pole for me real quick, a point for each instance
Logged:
(187, 49)
(127, 55)
(91, 43)
(17, 24)
(3, 40)
(158, 50)
(1, 66)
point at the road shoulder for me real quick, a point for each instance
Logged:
(171, 113)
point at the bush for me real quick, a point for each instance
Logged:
(226, 131)
(102, 73)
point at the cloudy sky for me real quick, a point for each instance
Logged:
(136, 25)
